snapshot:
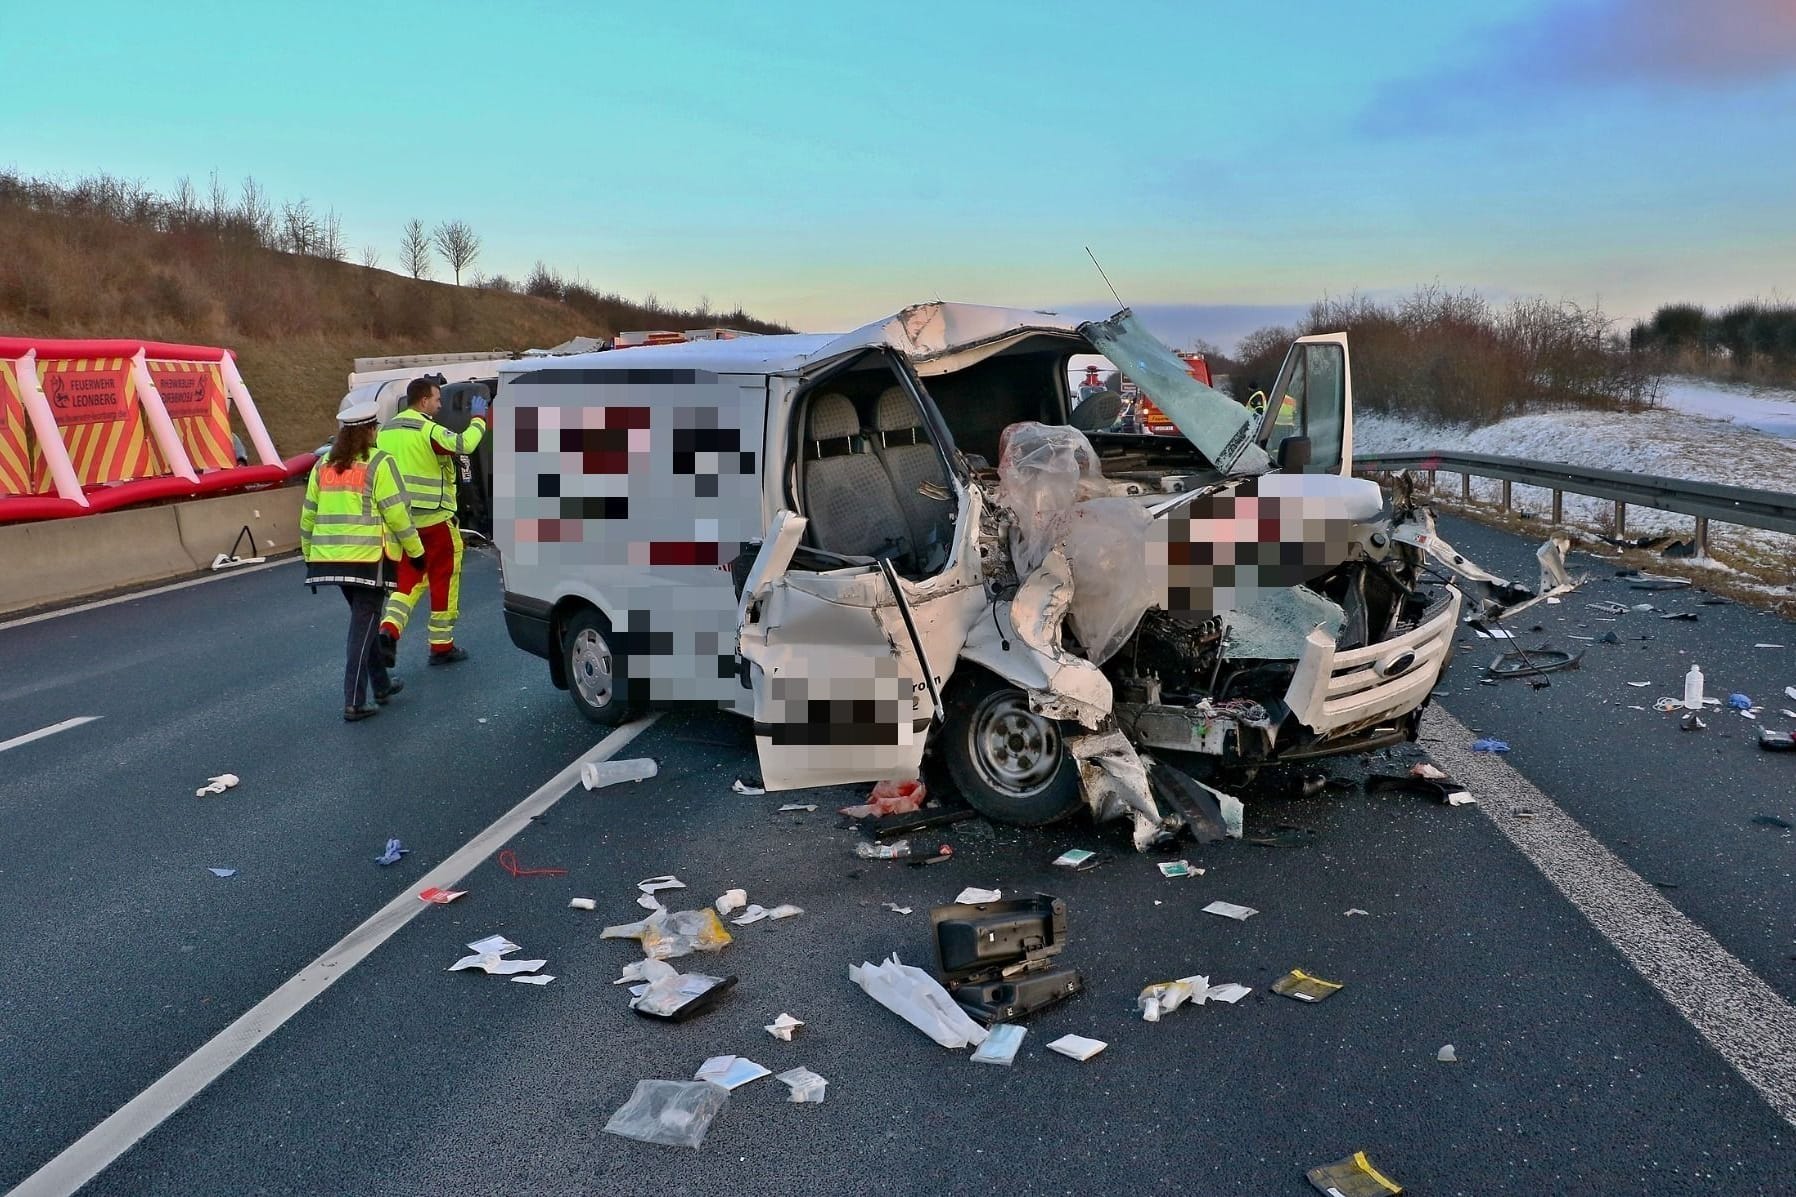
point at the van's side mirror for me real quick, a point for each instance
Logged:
(1293, 454)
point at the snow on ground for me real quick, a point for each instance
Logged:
(1734, 446)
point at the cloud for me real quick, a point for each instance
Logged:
(1570, 45)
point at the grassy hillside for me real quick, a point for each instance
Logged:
(296, 321)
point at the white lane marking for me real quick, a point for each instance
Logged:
(93, 1152)
(134, 595)
(1741, 1017)
(41, 732)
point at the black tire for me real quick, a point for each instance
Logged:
(597, 675)
(1009, 764)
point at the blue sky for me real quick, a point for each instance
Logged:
(825, 163)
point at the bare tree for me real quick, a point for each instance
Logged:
(414, 250)
(458, 245)
(371, 257)
(300, 230)
(218, 204)
(183, 208)
(330, 238)
(257, 212)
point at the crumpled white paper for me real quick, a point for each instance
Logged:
(919, 999)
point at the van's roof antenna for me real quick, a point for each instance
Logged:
(1105, 277)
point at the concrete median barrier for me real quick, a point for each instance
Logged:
(59, 561)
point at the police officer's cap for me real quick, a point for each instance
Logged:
(357, 414)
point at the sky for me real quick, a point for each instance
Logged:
(822, 164)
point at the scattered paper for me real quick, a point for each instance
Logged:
(222, 872)
(536, 979)
(442, 897)
(1000, 1047)
(582, 903)
(1354, 911)
(753, 914)
(731, 899)
(394, 851)
(1790, 691)
(496, 966)
(1447, 1055)
(806, 1085)
(785, 912)
(1229, 910)
(1077, 1046)
(493, 945)
(742, 787)
(1230, 992)
(1178, 868)
(1072, 858)
(649, 902)
(974, 895)
(216, 785)
(783, 1026)
(1460, 798)
(895, 908)
(730, 1072)
(791, 806)
(651, 885)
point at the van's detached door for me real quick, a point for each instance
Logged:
(846, 666)
(1314, 397)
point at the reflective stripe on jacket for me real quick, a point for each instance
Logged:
(357, 514)
(425, 452)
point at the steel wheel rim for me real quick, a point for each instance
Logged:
(591, 661)
(1015, 750)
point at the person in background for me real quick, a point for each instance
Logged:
(426, 452)
(352, 528)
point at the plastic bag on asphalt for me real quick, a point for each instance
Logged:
(684, 932)
(919, 999)
(672, 1113)
(890, 798)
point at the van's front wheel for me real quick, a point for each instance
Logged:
(596, 676)
(1009, 763)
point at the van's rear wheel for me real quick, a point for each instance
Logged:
(596, 676)
(1009, 763)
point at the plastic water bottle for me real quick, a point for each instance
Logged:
(597, 775)
(1693, 689)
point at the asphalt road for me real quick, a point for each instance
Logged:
(1575, 1075)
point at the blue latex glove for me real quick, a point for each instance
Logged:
(1494, 746)
(478, 405)
(394, 851)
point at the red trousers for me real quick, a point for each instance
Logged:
(442, 573)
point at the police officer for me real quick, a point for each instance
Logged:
(426, 452)
(352, 528)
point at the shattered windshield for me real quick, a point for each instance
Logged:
(1221, 429)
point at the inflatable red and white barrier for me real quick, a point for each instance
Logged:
(89, 426)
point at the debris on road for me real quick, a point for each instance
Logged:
(1074, 858)
(596, 775)
(1764, 821)
(890, 798)
(533, 979)
(1608, 608)
(1447, 1055)
(895, 908)
(1163, 997)
(972, 895)
(942, 853)
(672, 996)
(394, 851)
(1230, 910)
(583, 903)
(671, 1113)
(1772, 741)
(1078, 1047)
(919, 999)
(806, 1085)
(1353, 1177)
(1768, 646)
(752, 789)
(730, 1072)
(1178, 868)
(893, 851)
(731, 899)
(654, 885)
(222, 872)
(996, 958)
(669, 936)
(782, 1027)
(1692, 722)
(508, 860)
(1304, 987)
(1355, 910)
(1491, 746)
(1229, 992)
(439, 895)
(1000, 1046)
(1533, 662)
(495, 964)
(797, 806)
(1739, 702)
(217, 785)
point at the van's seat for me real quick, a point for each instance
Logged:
(847, 496)
(912, 462)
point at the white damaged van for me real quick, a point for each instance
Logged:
(897, 541)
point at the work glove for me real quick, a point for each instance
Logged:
(478, 406)
(417, 562)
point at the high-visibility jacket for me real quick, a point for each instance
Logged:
(357, 515)
(425, 451)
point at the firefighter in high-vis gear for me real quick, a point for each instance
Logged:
(352, 529)
(426, 453)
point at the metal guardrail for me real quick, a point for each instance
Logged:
(1705, 501)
